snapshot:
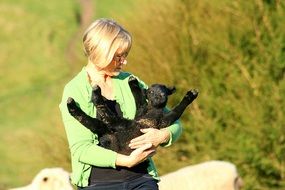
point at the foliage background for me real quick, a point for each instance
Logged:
(232, 51)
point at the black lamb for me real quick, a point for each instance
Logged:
(115, 132)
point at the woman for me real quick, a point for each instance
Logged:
(106, 46)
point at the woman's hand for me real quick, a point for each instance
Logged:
(151, 135)
(137, 156)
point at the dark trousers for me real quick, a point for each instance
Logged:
(145, 182)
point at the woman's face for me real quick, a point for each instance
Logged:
(116, 65)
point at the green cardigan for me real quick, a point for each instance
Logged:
(83, 144)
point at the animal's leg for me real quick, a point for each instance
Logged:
(139, 95)
(176, 113)
(93, 124)
(107, 116)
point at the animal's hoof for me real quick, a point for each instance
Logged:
(195, 92)
(70, 100)
(133, 82)
(97, 89)
(192, 94)
(132, 79)
(71, 105)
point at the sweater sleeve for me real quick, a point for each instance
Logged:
(82, 142)
(175, 131)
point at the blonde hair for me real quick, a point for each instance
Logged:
(102, 39)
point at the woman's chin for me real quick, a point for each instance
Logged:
(115, 73)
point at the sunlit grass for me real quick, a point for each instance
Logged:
(34, 37)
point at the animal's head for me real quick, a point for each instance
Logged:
(49, 179)
(52, 178)
(157, 95)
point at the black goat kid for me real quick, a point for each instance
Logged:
(115, 132)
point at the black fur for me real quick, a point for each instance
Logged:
(115, 132)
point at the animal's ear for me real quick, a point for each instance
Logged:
(171, 90)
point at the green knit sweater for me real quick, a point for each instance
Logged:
(83, 144)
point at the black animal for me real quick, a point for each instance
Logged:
(115, 132)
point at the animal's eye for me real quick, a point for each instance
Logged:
(45, 179)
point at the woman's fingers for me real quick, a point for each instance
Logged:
(138, 144)
(141, 154)
(151, 135)
(138, 139)
(145, 147)
(143, 151)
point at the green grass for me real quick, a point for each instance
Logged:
(232, 51)
(34, 37)
(112, 8)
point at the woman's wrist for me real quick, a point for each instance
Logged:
(166, 136)
(123, 160)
